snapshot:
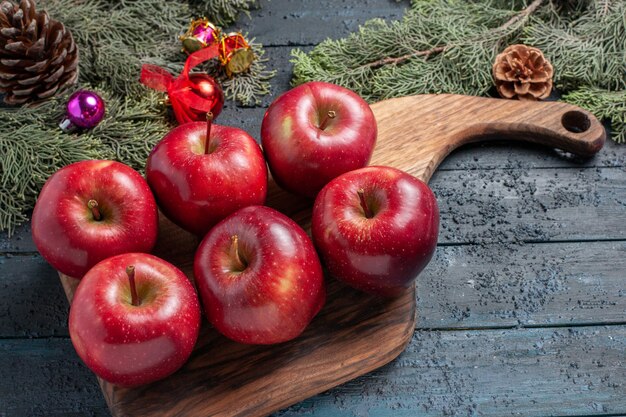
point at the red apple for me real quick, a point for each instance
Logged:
(376, 228)
(259, 277)
(91, 210)
(198, 183)
(314, 133)
(134, 319)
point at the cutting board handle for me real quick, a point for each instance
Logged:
(554, 124)
(428, 127)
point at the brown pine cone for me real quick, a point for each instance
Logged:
(523, 72)
(38, 56)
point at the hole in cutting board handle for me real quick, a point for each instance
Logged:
(576, 121)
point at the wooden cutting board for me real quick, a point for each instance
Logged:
(354, 333)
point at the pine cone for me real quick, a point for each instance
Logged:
(38, 56)
(523, 72)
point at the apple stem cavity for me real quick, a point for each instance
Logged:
(364, 206)
(130, 271)
(329, 116)
(240, 264)
(207, 142)
(95, 212)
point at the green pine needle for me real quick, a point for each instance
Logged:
(115, 37)
(610, 105)
(450, 45)
(223, 12)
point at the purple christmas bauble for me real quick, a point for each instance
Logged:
(85, 109)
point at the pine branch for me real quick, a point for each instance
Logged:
(589, 50)
(401, 59)
(146, 32)
(520, 17)
(246, 88)
(448, 46)
(115, 38)
(474, 31)
(223, 12)
(604, 104)
(32, 148)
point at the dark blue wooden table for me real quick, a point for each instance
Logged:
(522, 312)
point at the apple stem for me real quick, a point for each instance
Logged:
(130, 271)
(207, 142)
(364, 206)
(240, 264)
(93, 206)
(329, 116)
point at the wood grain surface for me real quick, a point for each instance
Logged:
(491, 372)
(354, 333)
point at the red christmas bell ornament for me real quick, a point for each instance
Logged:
(192, 96)
(235, 53)
(201, 33)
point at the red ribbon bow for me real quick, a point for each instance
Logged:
(181, 90)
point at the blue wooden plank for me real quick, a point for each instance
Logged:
(464, 287)
(46, 378)
(32, 302)
(530, 372)
(521, 372)
(472, 286)
(523, 285)
(288, 22)
(543, 205)
(518, 205)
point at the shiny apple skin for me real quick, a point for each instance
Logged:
(134, 345)
(63, 226)
(196, 190)
(384, 254)
(303, 158)
(277, 294)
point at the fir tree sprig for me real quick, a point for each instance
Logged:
(247, 88)
(589, 50)
(223, 12)
(114, 38)
(604, 104)
(439, 46)
(512, 24)
(449, 46)
(34, 147)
